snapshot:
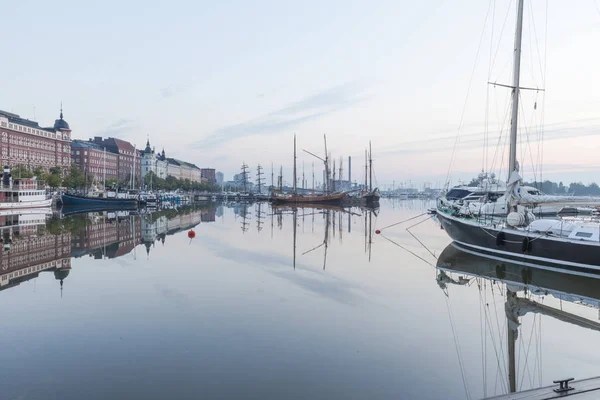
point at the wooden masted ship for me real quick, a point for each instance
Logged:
(322, 198)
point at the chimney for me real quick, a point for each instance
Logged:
(350, 170)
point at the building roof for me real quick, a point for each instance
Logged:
(82, 144)
(175, 161)
(148, 149)
(15, 119)
(114, 144)
(61, 124)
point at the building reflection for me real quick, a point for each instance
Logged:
(29, 249)
(37, 241)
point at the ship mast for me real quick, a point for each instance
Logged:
(366, 166)
(294, 164)
(370, 168)
(104, 171)
(515, 96)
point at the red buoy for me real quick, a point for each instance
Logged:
(378, 231)
(191, 234)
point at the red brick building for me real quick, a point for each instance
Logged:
(129, 161)
(209, 174)
(25, 142)
(94, 160)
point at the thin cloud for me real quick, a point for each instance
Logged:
(118, 128)
(474, 140)
(310, 108)
(170, 91)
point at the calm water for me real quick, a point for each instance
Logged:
(146, 313)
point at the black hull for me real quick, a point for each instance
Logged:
(522, 246)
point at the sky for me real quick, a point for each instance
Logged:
(222, 83)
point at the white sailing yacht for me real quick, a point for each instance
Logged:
(564, 244)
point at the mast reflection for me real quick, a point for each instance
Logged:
(527, 288)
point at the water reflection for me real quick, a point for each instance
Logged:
(524, 289)
(329, 214)
(28, 249)
(37, 241)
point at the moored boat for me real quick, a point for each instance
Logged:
(69, 199)
(21, 193)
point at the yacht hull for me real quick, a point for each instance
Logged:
(518, 245)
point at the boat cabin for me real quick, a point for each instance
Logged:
(21, 190)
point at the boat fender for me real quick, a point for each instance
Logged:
(500, 239)
(526, 245)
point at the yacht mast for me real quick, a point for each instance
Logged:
(515, 100)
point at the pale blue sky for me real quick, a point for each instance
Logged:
(218, 83)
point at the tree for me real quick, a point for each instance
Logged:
(75, 178)
(39, 172)
(20, 171)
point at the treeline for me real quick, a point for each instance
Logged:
(559, 189)
(151, 180)
(574, 188)
(76, 179)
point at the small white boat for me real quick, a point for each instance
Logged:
(21, 193)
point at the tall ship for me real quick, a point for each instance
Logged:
(294, 197)
(22, 193)
(369, 195)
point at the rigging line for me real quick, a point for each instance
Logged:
(487, 95)
(501, 32)
(409, 251)
(401, 222)
(537, 42)
(502, 132)
(535, 365)
(540, 346)
(543, 112)
(524, 127)
(462, 116)
(495, 346)
(501, 339)
(458, 350)
(597, 8)
(481, 327)
(485, 334)
(527, 357)
(417, 239)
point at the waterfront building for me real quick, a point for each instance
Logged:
(153, 162)
(25, 142)
(183, 170)
(93, 160)
(209, 174)
(129, 162)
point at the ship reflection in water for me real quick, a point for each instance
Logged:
(37, 241)
(293, 301)
(510, 293)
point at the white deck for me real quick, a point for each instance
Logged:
(585, 389)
